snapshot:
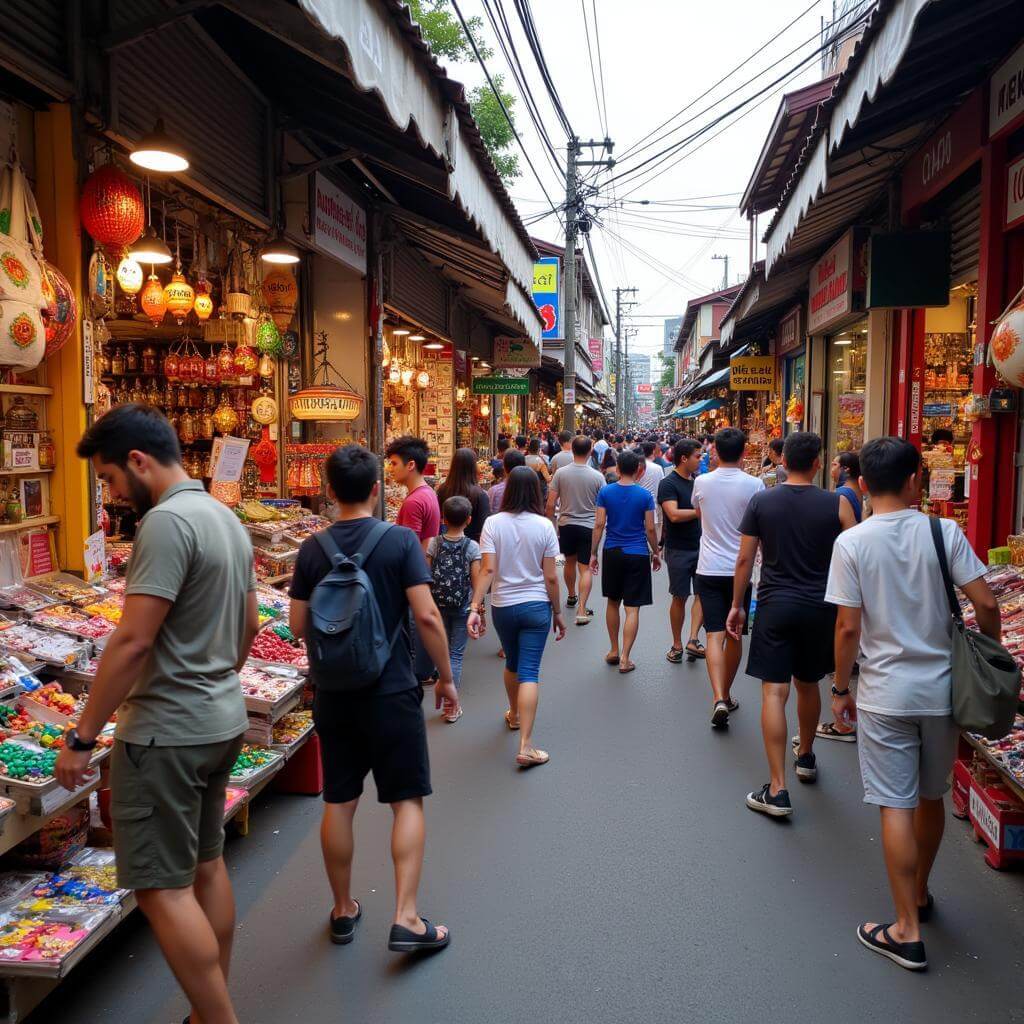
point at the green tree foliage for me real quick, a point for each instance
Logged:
(668, 377)
(443, 32)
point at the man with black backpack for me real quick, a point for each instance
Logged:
(352, 590)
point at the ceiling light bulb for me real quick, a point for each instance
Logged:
(150, 248)
(417, 337)
(434, 346)
(157, 151)
(279, 250)
(400, 332)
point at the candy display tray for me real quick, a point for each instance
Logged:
(87, 592)
(276, 708)
(289, 748)
(104, 921)
(253, 779)
(20, 789)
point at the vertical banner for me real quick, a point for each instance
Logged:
(596, 347)
(546, 295)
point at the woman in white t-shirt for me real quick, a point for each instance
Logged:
(519, 546)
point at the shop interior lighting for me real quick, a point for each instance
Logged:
(434, 346)
(157, 151)
(150, 248)
(279, 250)
(417, 337)
(484, 366)
(400, 332)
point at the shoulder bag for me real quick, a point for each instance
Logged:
(986, 679)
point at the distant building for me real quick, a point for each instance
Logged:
(672, 325)
(639, 368)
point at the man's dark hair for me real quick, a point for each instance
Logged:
(564, 436)
(628, 463)
(128, 428)
(457, 510)
(629, 438)
(800, 450)
(410, 449)
(849, 466)
(619, 439)
(598, 434)
(512, 458)
(648, 447)
(683, 450)
(777, 444)
(581, 445)
(534, 445)
(520, 440)
(886, 463)
(729, 443)
(522, 492)
(942, 434)
(503, 445)
(352, 470)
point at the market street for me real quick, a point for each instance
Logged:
(624, 881)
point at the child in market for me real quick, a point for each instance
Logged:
(454, 560)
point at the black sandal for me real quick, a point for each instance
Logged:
(343, 929)
(695, 650)
(909, 955)
(402, 940)
(675, 655)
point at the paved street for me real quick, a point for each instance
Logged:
(625, 881)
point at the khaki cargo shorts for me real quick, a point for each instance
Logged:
(167, 806)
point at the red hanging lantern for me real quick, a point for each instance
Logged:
(246, 361)
(264, 454)
(61, 313)
(225, 364)
(211, 371)
(111, 207)
(172, 366)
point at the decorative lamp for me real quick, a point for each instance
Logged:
(211, 369)
(61, 313)
(324, 401)
(279, 250)
(197, 367)
(225, 419)
(266, 367)
(179, 296)
(264, 410)
(153, 303)
(130, 275)
(111, 207)
(226, 364)
(203, 306)
(1007, 345)
(158, 152)
(246, 361)
(268, 337)
(151, 249)
(172, 365)
(422, 379)
(395, 374)
(385, 357)
(264, 454)
(407, 375)
(485, 409)
(280, 296)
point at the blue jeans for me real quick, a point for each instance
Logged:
(454, 620)
(523, 630)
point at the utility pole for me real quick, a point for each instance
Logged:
(576, 220)
(725, 277)
(619, 370)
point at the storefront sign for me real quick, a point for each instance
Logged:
(37, 555)
(1015, 193)
(501, 385)
(1006, 95)
(596, 349)
(831, 286)
(752, 373)
(88, 363)
(339, 224)
(790, 336)
(546, 275)
(569, 396)
(510, 353)
(644, 389)
(940, 484)
(955, 145)
(228, 458)
(644, 410)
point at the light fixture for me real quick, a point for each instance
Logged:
(157, 151)
(844, 341)
(484, 365)
(279, 250)
(150, 248)
(407, 375)
(434, 346)
(400, 332)
(476, 359)
(417, 337)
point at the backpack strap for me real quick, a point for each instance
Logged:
(940, 551)
(335, 555)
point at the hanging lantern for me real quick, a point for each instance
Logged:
(225, 419)
(246, 361)
(130, 276)
(268, 337)
(422, 379)
(280, 296)
(101, 285)
(111, 207)
(266, 367)
(197, 367)
(225, 364)
(1007, 345)
(61, 312)
(172, 366)
(407, 376)
(325, 403)
(153, 303)
(395, 373)
(179, 297)
(264, 454)
(203, 306)
(485, 409)
(211, 369)
(264, 409)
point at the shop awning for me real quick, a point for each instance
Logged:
(718, 377)
(761, 303)
(698, 408)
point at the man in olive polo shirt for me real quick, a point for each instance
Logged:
(170, 670)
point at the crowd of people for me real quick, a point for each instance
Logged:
(837, 592)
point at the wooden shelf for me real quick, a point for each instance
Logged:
(25, 389)
(23, 472)
(28, 524)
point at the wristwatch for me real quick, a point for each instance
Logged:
(75, 742)
(840, 693)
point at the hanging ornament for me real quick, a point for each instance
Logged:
(179, 296)
(246, 361)
(395, 373)
(61, 312)
(225, 419)
(204, 303)
(268, 337)
(211, 369)
(101, 285)
(130, 276)
(422, 380)
(290, 344)
(225, 364)
(264, 454)
(1007, 345)
(385, 357)
(154, 305)
(237, 301)
(172, 365)
(266, 367)
(111, 207)
(264, 409)
(197, 367)
(280, 296)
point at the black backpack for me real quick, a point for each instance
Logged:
(451, 573)
(348, 645)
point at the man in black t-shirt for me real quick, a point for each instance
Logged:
(682, 547)
(379, 728)
(795, 524)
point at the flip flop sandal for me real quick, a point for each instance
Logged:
(675, 655)
(613, 660)
(909, 955)
(571, 602)
(828, 731)
(402, 940)
(629, 666)
(508, 722)
(533, 760)
(695, 651)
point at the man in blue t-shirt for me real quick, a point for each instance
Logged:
(626, 512)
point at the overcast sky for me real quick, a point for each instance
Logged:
(658, 57)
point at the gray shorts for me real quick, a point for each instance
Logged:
(904, 759)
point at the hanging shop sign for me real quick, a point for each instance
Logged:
(752, 373)
(501, 385)
(546, 296)
(790, 336)
(513, 353)
(325, 403)
(955, 145)
(644, 410)
(1006, 95)
(595, 346)
(1015, 193)
(339, 224)
(644, 389)
(836, 285)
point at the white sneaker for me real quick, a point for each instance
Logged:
(451, 713)
(584, 616)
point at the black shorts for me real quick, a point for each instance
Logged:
(792, 640)
(575, 541)
(715, 593)
(682, 570)
(385, 735)
(626, 578)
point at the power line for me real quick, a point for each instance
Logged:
(593, 70)
(600, 63)
(530, 29)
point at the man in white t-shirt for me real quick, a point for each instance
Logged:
(885, 578)
(720, 498)
(649, 478)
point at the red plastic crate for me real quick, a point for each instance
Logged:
(998, 819)
(961, 788)
(303, 773)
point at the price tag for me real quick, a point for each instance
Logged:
(230, 460)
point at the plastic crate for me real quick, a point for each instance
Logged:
(998, 819)
(961, 788)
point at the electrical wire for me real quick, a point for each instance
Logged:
(533, 40)
(593, 69)
(600, 64)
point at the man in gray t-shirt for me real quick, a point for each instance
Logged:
(574, 490)
(563, 457)
(170, 670)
